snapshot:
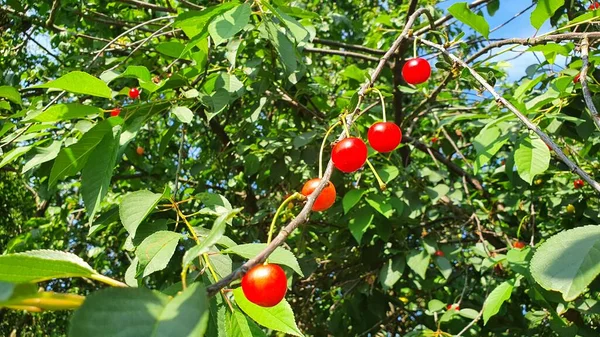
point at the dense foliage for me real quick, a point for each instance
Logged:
(485, 226)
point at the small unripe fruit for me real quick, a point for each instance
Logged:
(139, 151)
(538, 181)
(570, 208)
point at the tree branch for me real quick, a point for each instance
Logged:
(587, 95)
(448, 163)
(298, 105)
(348, 46)
(53, 12)
(341, 53)
(501, 100)
(302, 217)
(141, 4)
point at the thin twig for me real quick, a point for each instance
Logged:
(348, 46)
(470, 324)
(341, 53)
(141, 4)
(501, 100)
(587, 95)
(53, 11)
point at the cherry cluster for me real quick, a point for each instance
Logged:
(134, 93)
(266, 284)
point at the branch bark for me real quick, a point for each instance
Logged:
(501, 100)
(587, 95)
(341, 53)
(348, 46)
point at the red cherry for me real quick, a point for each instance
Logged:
(349, 154)
(434, 140)
(416, 70)
(453, 307)
(115, 112)
(439, 253)
(265, 285)
(325, 199)
(139, 150)
(519, 244)
(578, 184)
(576, 78)
(384, 136)
(593, 6)
(134, 93)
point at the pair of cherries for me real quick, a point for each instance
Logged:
(134, 93)
(350, 154)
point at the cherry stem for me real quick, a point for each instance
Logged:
(343, 121)
(323, 148)
(382, 102)
(381, 183)
(415, 47)
(294, 196)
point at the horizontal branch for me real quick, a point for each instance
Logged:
(141, 4)
(501, 100)
(341, 53)
(348, 46)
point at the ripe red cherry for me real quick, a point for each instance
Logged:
(578, 184)
(576, 78)
(416, 70)
(349, 154)
(265, 285)
(115, 112)
(439, 253)
(134, 93)
(519, 244)
(434, 140)
(139, 150)
(325, 199)
(593, 6)
(384, 136)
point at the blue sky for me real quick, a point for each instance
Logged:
(518, 28)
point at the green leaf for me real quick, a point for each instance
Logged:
(468, 313)
(296, 29)
(79, 82)
(279, 317)
(226, 25)
(183, 114)
(14, 154)
(279, 255)
(391, 271)
(216, 232)
(98, 171)
(359, 224)
(155, 252)
(463, 13)
(10, 291)
(135, 207)
(285, 50)
(351, 198)
(171, 48)
(388, 173)
(73, 158)
(444, 266)
(435, 193)
(135, 312)
(496, 298)
(381, 205)
(551, 50)
(492, 7)
(532, 157)
(11, 94)
(43, 154)
(4, 105)
(435, 305)
(238, 325)
(568, 262)
(194, 23)
(140, 72)
(543, 11)
(418, 261)
(42, 265)
(487, 143)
